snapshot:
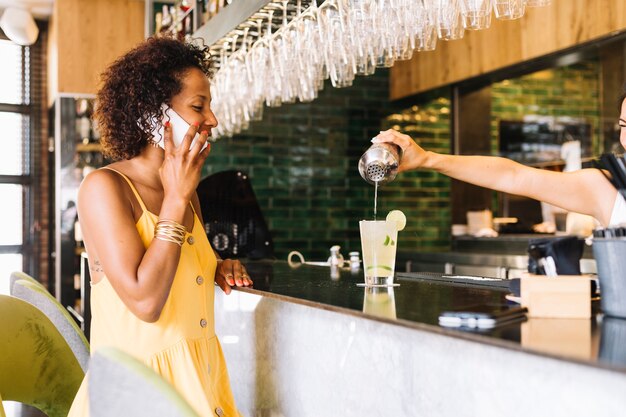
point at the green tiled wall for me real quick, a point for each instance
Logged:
(302, 161)
(424, 195)
(572, 91)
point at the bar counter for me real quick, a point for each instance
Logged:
(305, 343)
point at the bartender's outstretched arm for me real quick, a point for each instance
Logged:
(585, 191)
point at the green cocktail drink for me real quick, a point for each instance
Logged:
(379, 240)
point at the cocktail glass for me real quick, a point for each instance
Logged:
(379, 240)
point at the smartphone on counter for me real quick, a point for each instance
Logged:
(482, 316)
(179, 128)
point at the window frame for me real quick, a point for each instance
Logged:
(27, 180)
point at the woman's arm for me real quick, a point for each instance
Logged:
(585, 191)
(141, 277)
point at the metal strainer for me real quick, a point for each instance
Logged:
(379, 164)
(375, 171)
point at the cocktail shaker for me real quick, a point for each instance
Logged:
(379, 164)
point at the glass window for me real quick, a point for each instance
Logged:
(9, 262)
(11, 219)
(15, 155)
(13, 143)
(11, 73)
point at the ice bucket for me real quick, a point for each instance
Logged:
(610, 255)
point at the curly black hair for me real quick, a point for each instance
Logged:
(135, 86)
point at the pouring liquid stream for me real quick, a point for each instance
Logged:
(375, 198)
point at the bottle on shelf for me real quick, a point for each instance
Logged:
(205, 11)
(78, 234)
(84, 129)
(158, 21)
(213, 8)
(166, 18)
(95, 132)
(188, 25)
(184, 5)
(77, 299)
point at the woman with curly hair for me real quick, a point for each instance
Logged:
(152, 267)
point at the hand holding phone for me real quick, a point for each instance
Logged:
(179, 128)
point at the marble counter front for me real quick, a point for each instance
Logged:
(303, 343)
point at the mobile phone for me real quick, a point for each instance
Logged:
(482, 316)
(179, 128)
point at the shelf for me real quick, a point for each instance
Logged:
(90, 147)
(228, 19)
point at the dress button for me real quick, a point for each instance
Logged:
(199, 280)
(219, 412)
(208, 369)
(190, 240)
(203, 323)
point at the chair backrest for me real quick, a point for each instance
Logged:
(17, 275)
(120, 385)
(232, 217)
(38, 296)
(37, 367)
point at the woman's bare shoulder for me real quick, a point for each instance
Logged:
(104, 187)
(594, 178)
(101, 179)
(595, 186)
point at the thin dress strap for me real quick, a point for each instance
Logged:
(132, 187)
(193, 209)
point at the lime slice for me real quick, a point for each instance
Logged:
(385, 267)
(398, 218)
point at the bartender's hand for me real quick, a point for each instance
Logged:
(413, 155)
(231, 272)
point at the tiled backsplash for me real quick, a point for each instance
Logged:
(569, 91)
(424, 195)
(302, 161)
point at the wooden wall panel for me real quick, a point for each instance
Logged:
(90, 34)
(541, 31)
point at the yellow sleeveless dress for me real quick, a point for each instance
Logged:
(181, 346)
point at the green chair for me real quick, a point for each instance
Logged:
(34, 293)
(37, 367)
(17, 275)
(120, 385)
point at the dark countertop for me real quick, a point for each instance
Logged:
(599, 342)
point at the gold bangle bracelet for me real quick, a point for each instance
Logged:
(171, 224)
(170, 231)
(179, 242)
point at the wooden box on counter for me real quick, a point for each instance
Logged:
(564, 296)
